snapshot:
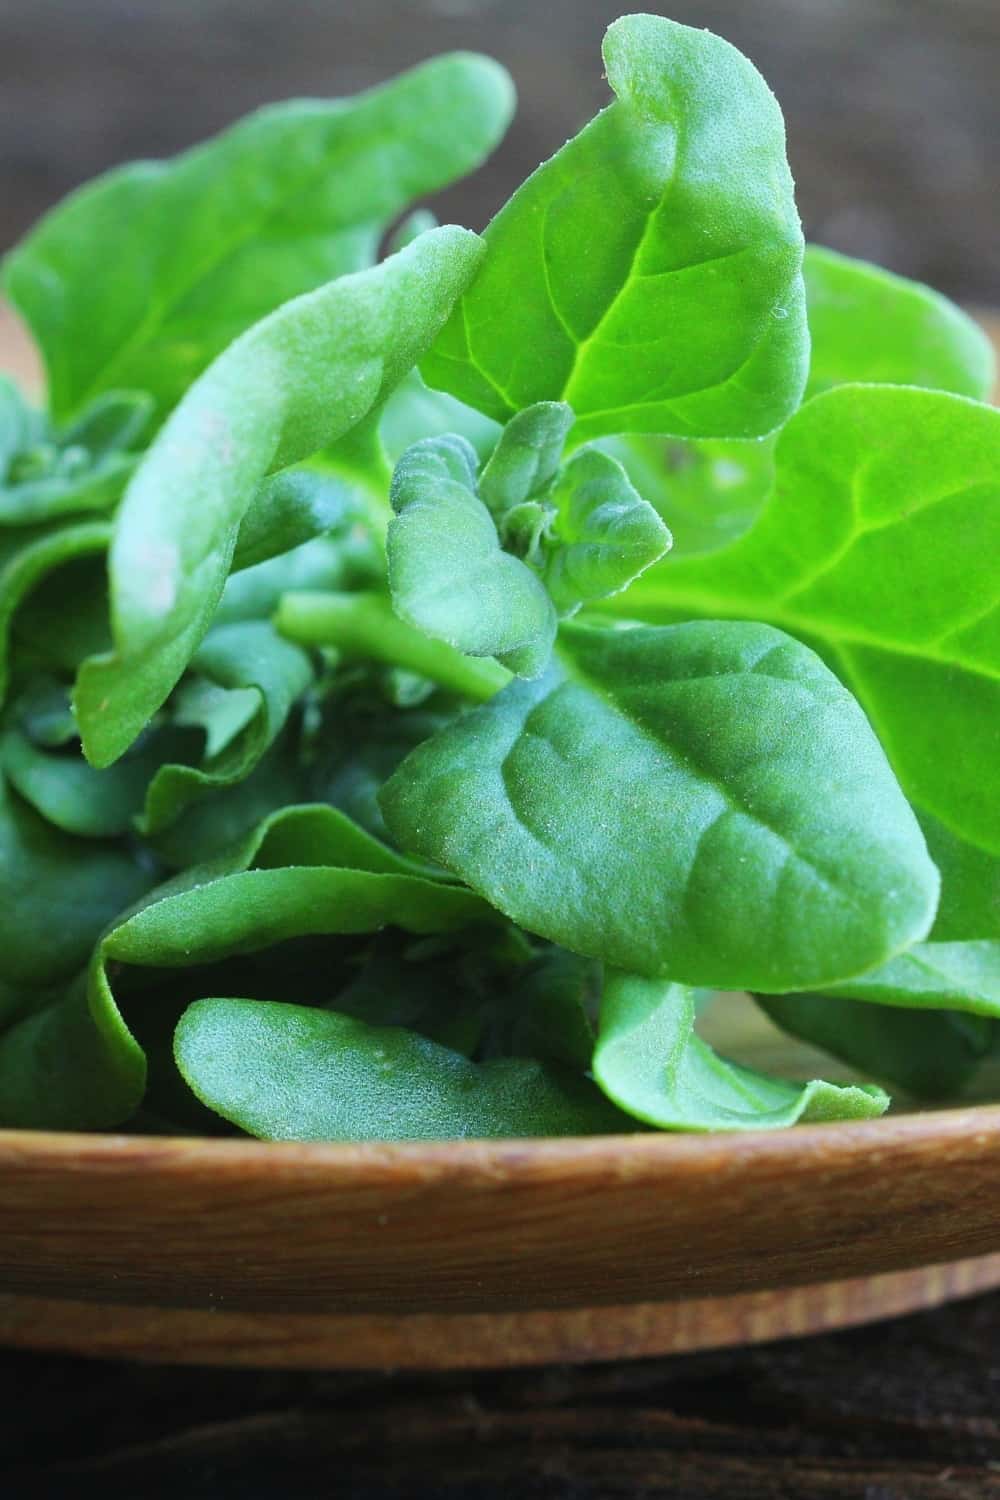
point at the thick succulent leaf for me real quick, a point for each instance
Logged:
(288, 386)
(604, 534)
(931, 1054)
(527, 456)
(245, 659)
(879, 544)
(145, 275)
(27, 556)
(449, 575)
(286, 1072)
(867, 324)
(56, 894)
(650, 1062)
(687, 313)
(700, 801)
(288, 510)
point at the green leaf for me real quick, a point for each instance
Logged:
(603, 533)
(144, 276)
(114, 421)
(27, 557)
(334, 563)
(77, 798)
(931, 1054)
(246, 658)
(708, 492)
(701, 801)
(289, 509)
(946, 976)
(970, 886)
(686, 312)
(449, 576)
(526, 458)
(50, 498)
(649, 1061)
(285, 1072)
(19, 424)
(867, 324)
(307, 870)
(290, 385)
(414, 411)
(879, 544)
(56, 894)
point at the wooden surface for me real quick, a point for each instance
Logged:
(476, 1227)
(901, 1411)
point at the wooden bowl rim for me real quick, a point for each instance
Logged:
(482, 1162)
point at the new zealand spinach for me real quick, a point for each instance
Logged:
(424, 674)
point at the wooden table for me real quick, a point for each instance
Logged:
(908, 1410)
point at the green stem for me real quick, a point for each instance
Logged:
(363, 625)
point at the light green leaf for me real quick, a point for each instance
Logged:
(701, 801)
(603, 533)
(649, 1061)
(526, 458)
(113, 422)
(686, 315)
(944, 976)
(970, 886)
(144, 276)
(867, 324)
(449, 575)
(414, 411)
(879, 544)
(288, 510)
(285, 1072)
(241, 658)
(287, 387)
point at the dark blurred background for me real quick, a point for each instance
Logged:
(893, 106)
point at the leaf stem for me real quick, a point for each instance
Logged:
(363, 625)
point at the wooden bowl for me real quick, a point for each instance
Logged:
(471, 1254)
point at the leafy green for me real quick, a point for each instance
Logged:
(142, 278)
(686, 312)
(923, 339)
(702, 801)
(448, 572)
(879, 544)
(650, 1062)
(291, 384)
(285, 1072)
(27, 556)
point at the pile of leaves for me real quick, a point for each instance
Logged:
(433, 664)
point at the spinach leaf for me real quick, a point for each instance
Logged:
(285, 1072)
(701, 801)
(922, 338)
(291, 384)
(27, 556)
(649, 1061)
(931, 1054)
(143, 277)
(449, 575)
(685, 314)
(247, 661)
(879, 544)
